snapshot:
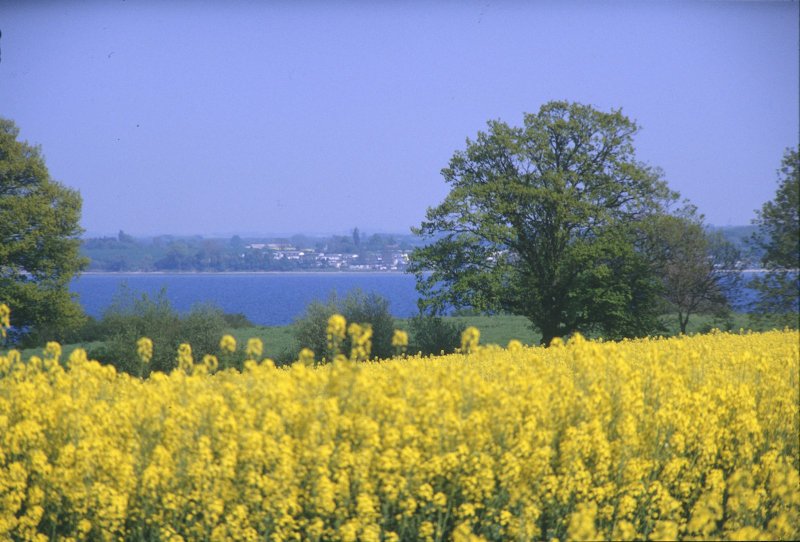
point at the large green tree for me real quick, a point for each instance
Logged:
(543, 221)
(778, 236)
(39, 240)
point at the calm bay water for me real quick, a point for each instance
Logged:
(270, 299)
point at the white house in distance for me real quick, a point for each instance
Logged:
(393, 260)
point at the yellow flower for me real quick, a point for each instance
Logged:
(210, 362)
(469, 339)
(52, 351)
(692, 437)
(77, 357)
(144, 348)
(426, 529)
(361, 341)
(5, 319)
(185, 361)
(337, 327)
(227, 344)
(582, 523)
(400, 338)
(354, 330)
(254, 348)
(306, 356)
(577, 339)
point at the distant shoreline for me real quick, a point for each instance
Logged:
(239, 273)
(302, 272)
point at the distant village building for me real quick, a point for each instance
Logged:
(280, 246)
(392, 259)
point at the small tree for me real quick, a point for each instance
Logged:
(356, 307)
(778, 236)
(433, 335)
(371, 309)
(39, 241)
(699, 269)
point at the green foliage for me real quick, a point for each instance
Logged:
(433, 335)
(39, 242)
(236, 320)
(778, 236)
(778, 223)
(202, 328)
(541, 221)
(310, 329)
(373, 309)
(92, 330)
(131, 317)
(357, 307)
(698, 268)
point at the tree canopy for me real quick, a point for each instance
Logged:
(778, 236)
(542, 220)
(39, 240)
(698, 267)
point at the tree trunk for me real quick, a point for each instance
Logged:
(549, 321)
(550, 330)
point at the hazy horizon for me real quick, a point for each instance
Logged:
(314, 117)
(243, 234)
(281, 235)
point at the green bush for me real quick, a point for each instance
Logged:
(92, 330)
(310, 329)
(432, 335)
(237, 320)
(131, 317)
(203, 328)
(372, 309)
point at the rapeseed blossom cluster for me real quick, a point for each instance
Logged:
(227, 344)
(469, 339)
(306, 356)
(400, 341)
(184, 358)
(255, 348)
(5, 319)
(144, 349)
(337, 327)
(684, 438)
(361, 341)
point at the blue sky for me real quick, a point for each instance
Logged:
(316, 117)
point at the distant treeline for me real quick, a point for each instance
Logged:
(298, 252)
(196, 253)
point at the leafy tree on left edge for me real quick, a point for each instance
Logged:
(39, 242)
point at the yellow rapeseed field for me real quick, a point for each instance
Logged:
(684, 438)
